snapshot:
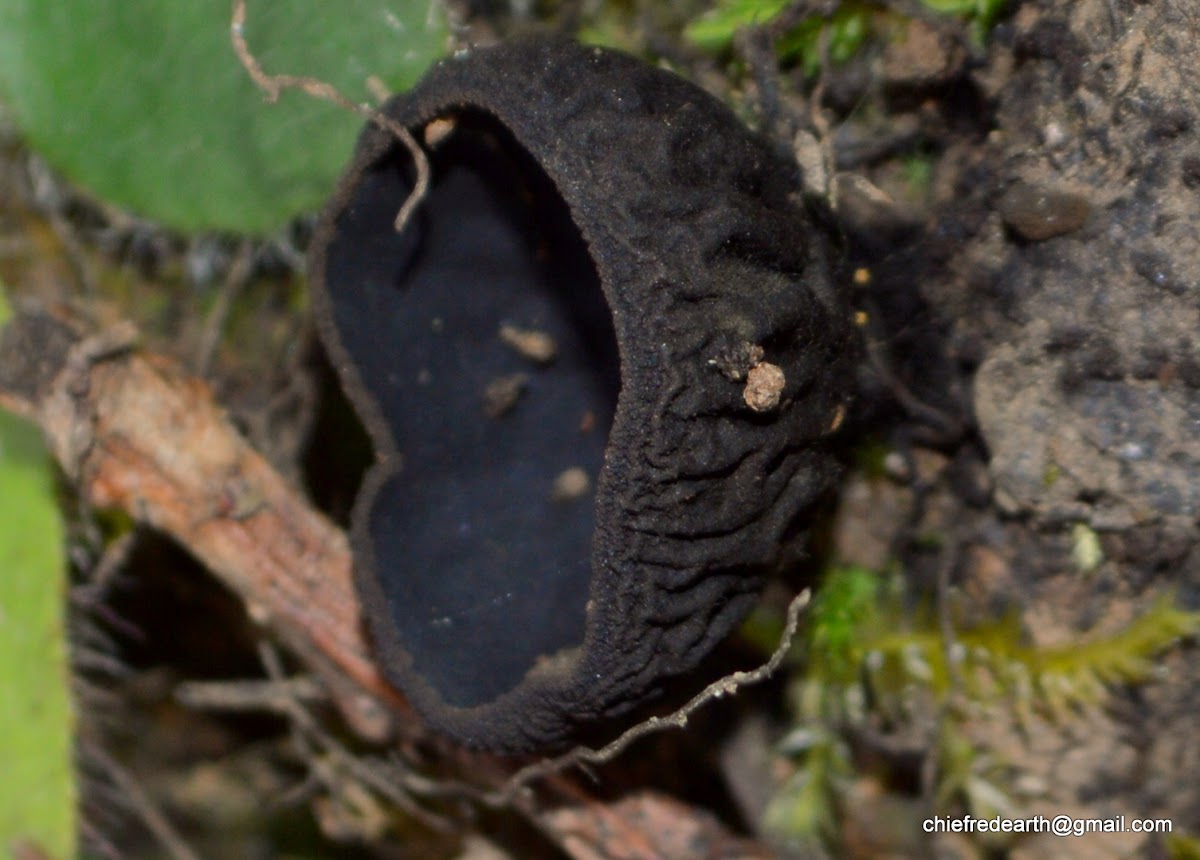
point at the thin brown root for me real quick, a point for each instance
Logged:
(273, 85)
(727, 686)
(278, 697)
(328, 760)
(146, 807)
(236, 278)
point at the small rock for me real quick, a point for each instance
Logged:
(922, 57)
(1037, 213)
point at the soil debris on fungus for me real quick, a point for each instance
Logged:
(764, 387)
(438, 130)
(502, 394)
(535, 345)
(571, 484)
(737, 361)
(765, 382)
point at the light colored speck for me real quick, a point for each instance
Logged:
(1054, 135)
(1086, 551)
(1132, 451)
(764, 387)
(437, 130)
(571, 484)
(393, 21)
(501, 394)
(532, 344)
(839, 415)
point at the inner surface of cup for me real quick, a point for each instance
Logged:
(481, 334)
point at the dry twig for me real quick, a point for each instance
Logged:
(237, 276)
(145, 807)
(727, 686)
(133, 432)
(273, 85)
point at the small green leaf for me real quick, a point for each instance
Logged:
(951, 7)
(37, 793)
(980, 13)
(144, 103)
(846, 31)
(714, 30)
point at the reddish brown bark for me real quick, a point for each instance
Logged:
(133, 431)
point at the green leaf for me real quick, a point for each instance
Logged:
(713, 31)
(846, 31)
(952, 7)
(144, 103)
(37, 793)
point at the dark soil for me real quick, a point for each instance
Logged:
(1035, 320)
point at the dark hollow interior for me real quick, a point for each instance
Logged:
(484, 567)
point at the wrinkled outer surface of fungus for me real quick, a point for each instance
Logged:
(573, 499)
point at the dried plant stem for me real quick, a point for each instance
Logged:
(147, 809)
(238, 275)
(273, 85)
(725, 686)
(255, 696)
(134, 432)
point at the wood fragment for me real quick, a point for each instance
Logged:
(645, 825)
(134, 432)
(273, 85)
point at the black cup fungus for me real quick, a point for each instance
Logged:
(599, 365)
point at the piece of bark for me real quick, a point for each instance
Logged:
(644, 826)
(133, 431)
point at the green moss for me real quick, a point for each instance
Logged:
(802, 813)
(981, 14)
(715, 29)
(1181, 846)
(870, 457)
(918, 175)
(843, 33)
(874, 653)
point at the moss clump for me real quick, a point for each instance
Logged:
(877, 658)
